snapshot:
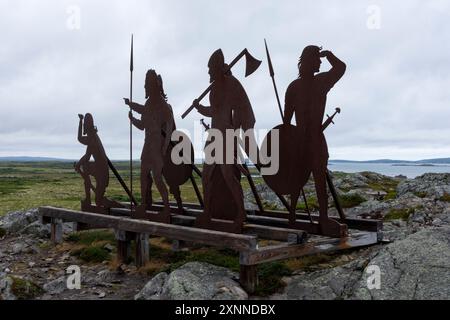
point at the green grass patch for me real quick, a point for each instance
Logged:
(2, 232)
(391, 194)
(403, 214)
(24, 289)
(351, 200)
(445, 197)
(312, 203)
(91, 236)
(420, 194)
(93, 253)
(269, 278)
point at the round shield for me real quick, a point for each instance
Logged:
(289, 161)
(178, 160)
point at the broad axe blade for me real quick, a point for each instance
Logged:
(251, 63)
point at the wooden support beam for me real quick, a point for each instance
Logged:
(142, 249)
(286, 251)
(248, 277)
(237, 242)
(56, 234)
(123, 245)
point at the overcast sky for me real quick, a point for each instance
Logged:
(394, 95)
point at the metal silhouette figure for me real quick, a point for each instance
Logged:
(156, 116)
(230, 109)
(306, 99)
(99, 168)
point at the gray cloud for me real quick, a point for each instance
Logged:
(394, 96)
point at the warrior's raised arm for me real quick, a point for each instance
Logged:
(337, 68)
(82, 139)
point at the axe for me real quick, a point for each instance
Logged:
(251, 64)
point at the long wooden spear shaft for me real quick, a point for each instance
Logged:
(272, 75)
(131, 125)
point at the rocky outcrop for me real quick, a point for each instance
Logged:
(428, 185)
(194, 281)
(417, 267)
(28, 222)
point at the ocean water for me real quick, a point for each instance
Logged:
(410, 171)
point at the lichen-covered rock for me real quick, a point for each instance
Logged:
(431, 185)
(153, 289)
(6, 284)
(56, 286)
(417, 267)
(194, 281)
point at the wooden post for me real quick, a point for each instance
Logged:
(56, 230)
(123, 246)
(248, 278)
(142, 249)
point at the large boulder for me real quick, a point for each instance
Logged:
(28, 222)
(194, 281)
(417, 267)
(6, 284)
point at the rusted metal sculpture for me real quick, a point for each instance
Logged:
(303, 149)
(230, 109)
(156, 116)
(99, 168)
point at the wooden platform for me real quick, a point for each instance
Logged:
(260, 225)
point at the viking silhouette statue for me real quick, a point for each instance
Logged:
(306, 99)
(230, 109)
(99, 168)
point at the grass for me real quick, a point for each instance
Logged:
(403, 214)
(351, 200)
(445, 197)
(24, 289)
(89, 246)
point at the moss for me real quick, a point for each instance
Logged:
(24, 289)
(307, 261)
(91, 236)
(402, 214)
(2, 232)
(312, 203)
(269, 278)
(391, 194)
(351, 200)
(92, 253)
(420, 194)
(445, 197)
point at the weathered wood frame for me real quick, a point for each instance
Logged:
(293, 243)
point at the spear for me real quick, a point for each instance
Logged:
(131, 123)
(272, 75)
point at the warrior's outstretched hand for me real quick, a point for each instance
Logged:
(324, 53)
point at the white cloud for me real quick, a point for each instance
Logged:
(394, 96)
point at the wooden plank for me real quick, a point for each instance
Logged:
(262, 231)
(274, 233)
(238, 242)
(285, 251)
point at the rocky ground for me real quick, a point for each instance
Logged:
(414, 265)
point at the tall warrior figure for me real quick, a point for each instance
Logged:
(306, 97)
(97, 168)
(230, 109)
(156, 119)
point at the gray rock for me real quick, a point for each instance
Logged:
(153, 289)
(18, 248)
(431, 185)
(194, 281)
(417, 267)
(56, 286)
(13, 222)
(6, 288)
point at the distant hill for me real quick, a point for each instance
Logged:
(32, 159)
(390, 161)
